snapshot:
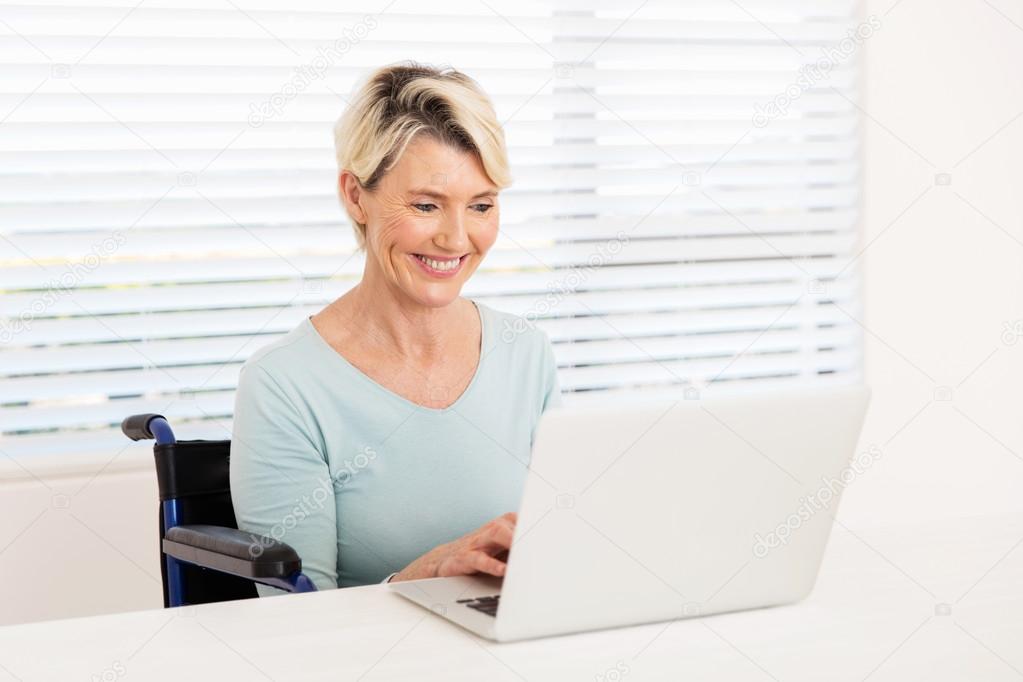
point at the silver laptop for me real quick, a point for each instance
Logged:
(660, 510)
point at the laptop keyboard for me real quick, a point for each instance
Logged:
(487, 605)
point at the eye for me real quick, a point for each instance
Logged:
(482, 208)
(425, 208)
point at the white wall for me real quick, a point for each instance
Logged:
(79, 544)
(941, 280)
(941, 273)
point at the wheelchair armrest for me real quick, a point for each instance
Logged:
(233, 551)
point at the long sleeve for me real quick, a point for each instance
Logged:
(280, 482)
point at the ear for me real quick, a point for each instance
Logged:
(351, 193)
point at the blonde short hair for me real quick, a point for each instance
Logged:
(399, 101)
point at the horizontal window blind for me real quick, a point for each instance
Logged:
(684, 210)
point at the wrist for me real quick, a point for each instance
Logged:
(425, 566)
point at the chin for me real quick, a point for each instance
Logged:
(436, 296)
(436, 292)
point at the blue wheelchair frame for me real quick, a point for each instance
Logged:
(217, 548)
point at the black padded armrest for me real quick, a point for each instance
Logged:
(232, 551)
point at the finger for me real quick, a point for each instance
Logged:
(502, 520)
(484, 563)
(498, 535)
(507, 520)
(495, 532)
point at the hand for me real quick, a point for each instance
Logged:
(484, 550)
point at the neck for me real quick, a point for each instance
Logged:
(409, 328)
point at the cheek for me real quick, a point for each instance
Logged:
(398, 231)
(485, 234)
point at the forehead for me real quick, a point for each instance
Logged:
(439, 168)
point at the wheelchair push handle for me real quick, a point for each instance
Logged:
(146, 426)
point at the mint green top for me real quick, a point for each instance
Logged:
(361, 481)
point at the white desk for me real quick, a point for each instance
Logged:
(872, 615)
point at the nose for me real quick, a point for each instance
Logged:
(453, 235)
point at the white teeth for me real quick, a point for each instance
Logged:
(439, 264)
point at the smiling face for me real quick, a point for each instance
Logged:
(429, 222)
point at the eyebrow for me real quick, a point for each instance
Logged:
(440, 195)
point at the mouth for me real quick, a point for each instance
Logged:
(439, 266)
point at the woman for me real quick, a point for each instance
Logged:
(387, 436)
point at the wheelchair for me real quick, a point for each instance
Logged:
(204, 557)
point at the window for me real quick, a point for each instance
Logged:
(684, 213)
